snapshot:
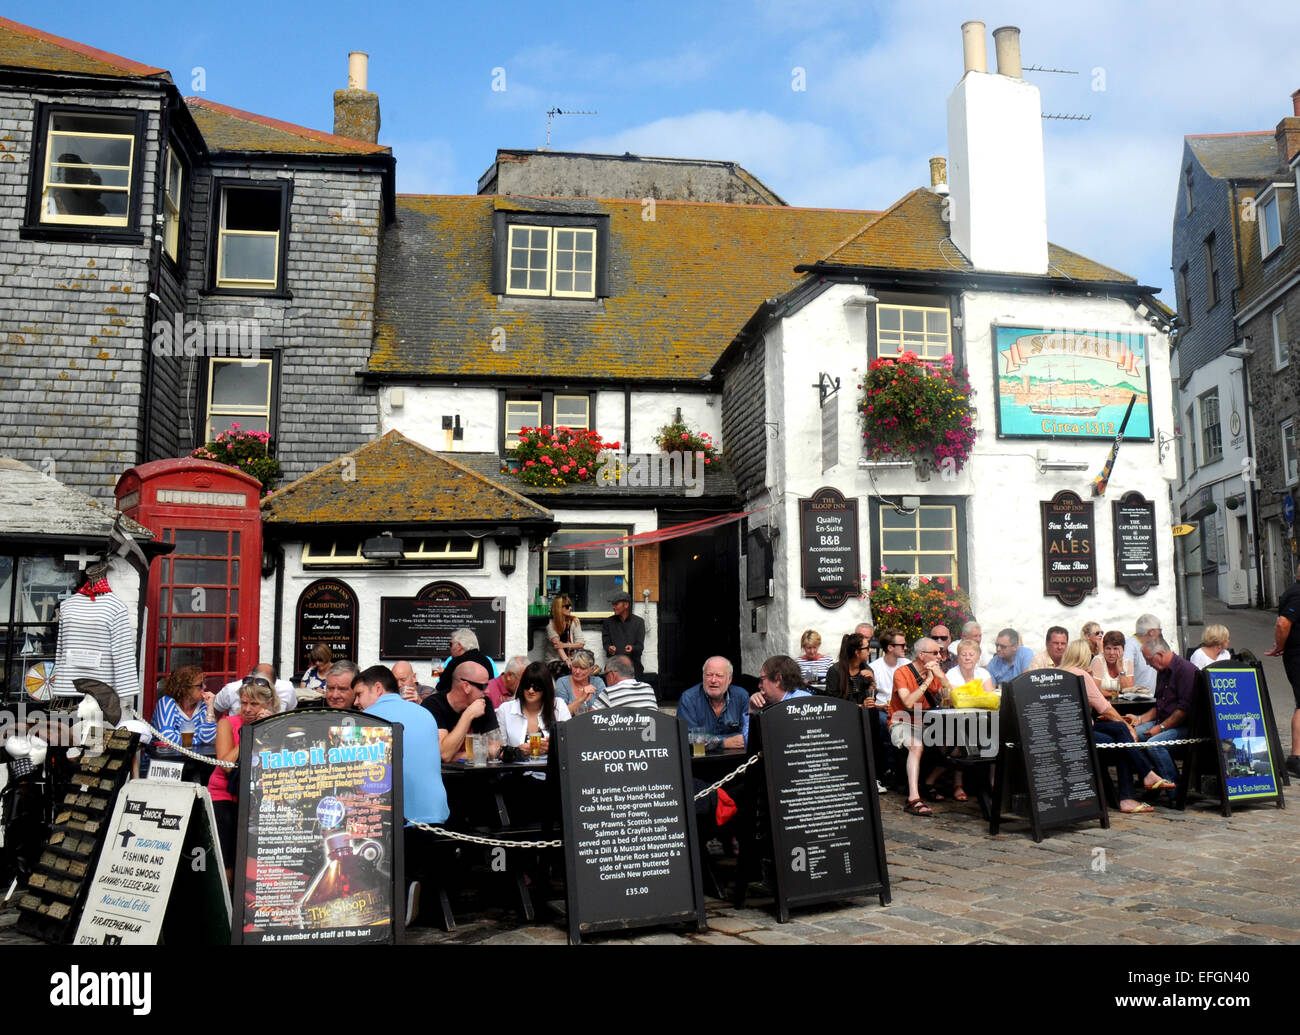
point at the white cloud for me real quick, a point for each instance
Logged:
(427, 167)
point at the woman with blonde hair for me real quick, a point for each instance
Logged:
(1214, 646)
(1092, 633)
(563, 635)
(1109, 727)
(813, 664)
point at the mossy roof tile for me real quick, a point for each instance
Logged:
(1231, 156)
(22, 46)
(394, 480)
(229, 129)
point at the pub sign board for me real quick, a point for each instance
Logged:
(327, 613)
(1135, 543)
(1045, 718)
(1069, 548)
(319, 854)
(630, 839)
(1244, 737)
(826, 837)
(419, 628)
(828, 547)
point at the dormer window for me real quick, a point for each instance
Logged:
(248, 250)
(1268, 213)
(540, 255)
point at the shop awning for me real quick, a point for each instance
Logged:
(660, 535)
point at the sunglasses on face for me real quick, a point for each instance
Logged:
(481, 686)
(941, 639)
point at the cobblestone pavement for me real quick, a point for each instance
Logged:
(1166, 878)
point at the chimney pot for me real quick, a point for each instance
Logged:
(1007, 42)
(358, 68)
(1295, 103)
(938, 172)
(974, 47)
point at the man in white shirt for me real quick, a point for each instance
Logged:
(227, 699)
(1145, 631)
(893, 653)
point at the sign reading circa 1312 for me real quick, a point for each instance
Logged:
(828, 541)
(1069, 548)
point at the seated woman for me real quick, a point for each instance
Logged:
(1112, 671)
(850, 677)
(184, 714)
(813, 664)
(579, 688)
(533, 710)
(1214, 646)
(968, 667)
(1109, 727)
(563, 635)
(1092, 633)
(257, 700)
(314, 677)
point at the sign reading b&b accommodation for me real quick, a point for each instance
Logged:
(828, 546)
(1069, 548)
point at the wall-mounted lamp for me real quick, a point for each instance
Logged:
(383, 547)
(507, 547)
(864, 298)
(1047, 464)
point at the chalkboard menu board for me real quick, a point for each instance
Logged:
(828, 546)
(630, 840)
(1135, 543)
(1245, 739)
(1069, 548)
(421, 628)
(327, 613)
(319, 858)
(826, 837)
(1045, 716)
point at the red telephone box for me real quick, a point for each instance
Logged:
(204, 597)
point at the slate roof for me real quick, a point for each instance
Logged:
(229, 129)
(399, 482)
(34, 506)
(680, 286)
(912, 235)
(22, 46)
(1236, 156)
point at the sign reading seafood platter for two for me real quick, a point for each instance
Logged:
(1071, 384)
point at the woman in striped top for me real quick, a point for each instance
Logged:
(186, 707)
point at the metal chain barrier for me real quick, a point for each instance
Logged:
(162, 739)
(1146, 744)
(497, 842)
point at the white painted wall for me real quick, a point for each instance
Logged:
(995, 173)
(420, 416)
(1000, 486)
(652, 410)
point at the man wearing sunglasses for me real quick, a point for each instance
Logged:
(942, 638)
(893, 655)
(1010, 658)
(462, 709)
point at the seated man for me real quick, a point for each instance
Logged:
(1146, 630)
(943, 639)
(715, 706)
(227, 699)
(462, 710)
(893, 647)
(972, 631)
(424, 799)
(913, 686)
(408, 686)
(1009, 657)
(339, 689)
(503, 687)
(1058, 638)
(1175, 699)
(778, 680)
(622, 688)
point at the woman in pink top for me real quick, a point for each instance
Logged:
(1110, 728)
(257, 700)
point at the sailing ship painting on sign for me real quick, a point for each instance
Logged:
(1071, 383)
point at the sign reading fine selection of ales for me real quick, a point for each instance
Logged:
(319, 858)
(1069, 548)
(629, 821)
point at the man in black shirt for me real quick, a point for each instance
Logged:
(624, 633)
(462, 710)
(1286, 642)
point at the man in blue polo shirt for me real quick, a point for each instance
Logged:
(424, 799)
(1009, 657)
(715, 706)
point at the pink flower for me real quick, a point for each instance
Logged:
(554, 472)
(529, 463)
(582, 472)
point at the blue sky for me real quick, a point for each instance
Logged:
(719, 81)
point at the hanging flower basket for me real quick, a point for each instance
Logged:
(914, 410)
(917, 604)
(680, 438)
(247, 451)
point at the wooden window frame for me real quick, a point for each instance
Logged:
(1211, 272)
(1281, 338)
(590, 533)
(205, 395)
(220, 185)
(1211, 431)
(504, 222)
(961, 544)
(1290, 456)
(545, 398)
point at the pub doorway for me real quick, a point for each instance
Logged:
(699, 611)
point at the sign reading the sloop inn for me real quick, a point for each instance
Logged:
(828, 539)
(1070, 384)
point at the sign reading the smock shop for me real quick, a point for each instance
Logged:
(828, 546)
(1135, 543)
(327, 613)
(1069, 548)
(421, 628)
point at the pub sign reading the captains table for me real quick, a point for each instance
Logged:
(828, 547)
(1135, 543)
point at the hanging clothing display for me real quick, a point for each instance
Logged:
(96, 641)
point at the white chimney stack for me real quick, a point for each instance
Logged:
(998, 208)
(358, 69)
